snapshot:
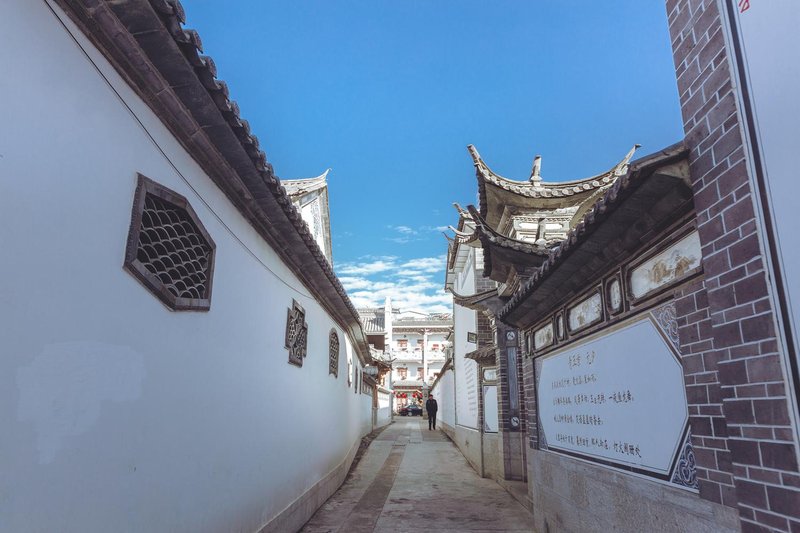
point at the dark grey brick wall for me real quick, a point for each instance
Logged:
(745, 348)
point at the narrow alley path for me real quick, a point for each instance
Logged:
(412, 479)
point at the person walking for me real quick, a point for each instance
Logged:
(431, 407)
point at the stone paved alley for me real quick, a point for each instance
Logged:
(412, 479)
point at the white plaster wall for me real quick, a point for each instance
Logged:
(464, 321)
(366, 412)
(118, 414)
(490, 422)
(444, 392)
(384, 415)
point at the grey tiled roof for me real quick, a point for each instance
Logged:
(163, 62)
(303, 186)
(373, 320)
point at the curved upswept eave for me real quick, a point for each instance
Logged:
(535, 187)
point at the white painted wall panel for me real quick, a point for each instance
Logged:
(118, 414)
(444, 393)
(770, 46)
(490, 421)
(466, 370)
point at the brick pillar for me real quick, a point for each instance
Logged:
(510, 402)
(746, 354)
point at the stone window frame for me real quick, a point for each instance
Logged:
(334, 349)
(146, 186)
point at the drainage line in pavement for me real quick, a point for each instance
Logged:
(365, 514)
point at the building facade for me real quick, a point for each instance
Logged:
(310, 197)
(135, 397)
(656, 340)
(736, 67)
(415, 343)
(496, 247)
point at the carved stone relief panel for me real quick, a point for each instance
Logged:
(543, 337)
(672, 264)
(615, 296)
(586, 312)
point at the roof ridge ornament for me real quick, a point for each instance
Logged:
(536, 177)
(476, 157)
(622, 166)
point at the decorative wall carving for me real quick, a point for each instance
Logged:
(296, 333)
(543, 337)
(333, 353)
(615, 296)
(667, 319)
(168, 248)
(674, 263)
(685, 473)
(586, 312)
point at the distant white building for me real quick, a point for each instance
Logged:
(310, 197)
(415, 342)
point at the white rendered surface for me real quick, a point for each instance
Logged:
(117, 413)
(581, 410)
(490, 422)
(466, 370)
(770, 43)
(444, 392)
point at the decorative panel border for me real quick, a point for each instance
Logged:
(682, 470)
(615, 301)
(586, 312)
(677, 261)
(543, 336)
(168, 249)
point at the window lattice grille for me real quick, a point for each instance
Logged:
(169, 250)
(296, 333)
(333, 348)
(171, 247)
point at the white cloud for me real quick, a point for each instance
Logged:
(414, 284)
(405, 234)
(425, 264)
(372, 267)
(404, 229)
(437, 229)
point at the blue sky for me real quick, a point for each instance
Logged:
(388, 94)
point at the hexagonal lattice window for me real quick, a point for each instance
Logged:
(333, 355)
(169, 250)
